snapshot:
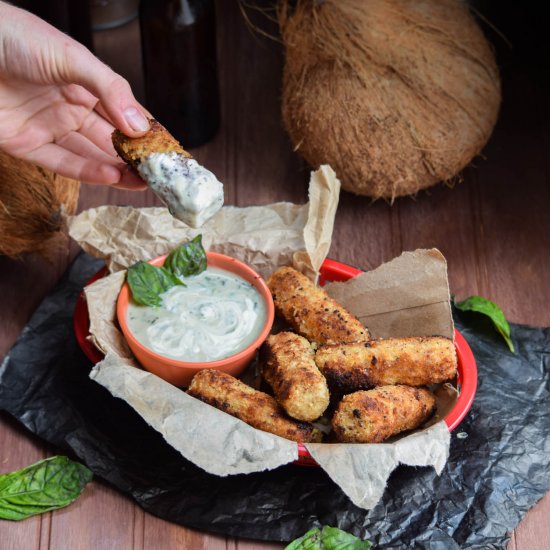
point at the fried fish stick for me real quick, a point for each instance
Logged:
(157, 140)
(191, 193)
(256, 408)
(416, 361)
(289, 368)
(311, 312)
(374, 415)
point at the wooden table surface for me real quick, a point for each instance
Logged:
(493, 228)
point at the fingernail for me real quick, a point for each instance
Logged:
(136, 120)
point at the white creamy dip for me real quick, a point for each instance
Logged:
(190, 191)
(216, 314)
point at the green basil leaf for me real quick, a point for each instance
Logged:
(147, 282)
(310, 541)
(336, 539)
(329, 538)
(47, 485)
(491, 310)
(188, 259)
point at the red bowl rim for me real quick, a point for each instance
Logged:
(331, 270)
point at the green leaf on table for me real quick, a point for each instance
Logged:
(147, 282)
(336, 539)
(46, 485)
(484, 306)
(187, 259)
(310, 541)
(328, 538)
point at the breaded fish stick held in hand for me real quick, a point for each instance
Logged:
(374, 415)
(311, 311)
(289, 368)
(191, 193)
(256, 408)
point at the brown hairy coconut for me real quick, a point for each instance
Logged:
(32, 203)
(396, 95)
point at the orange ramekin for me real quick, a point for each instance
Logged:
(180, 373)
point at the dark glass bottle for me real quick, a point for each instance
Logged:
(179, 60)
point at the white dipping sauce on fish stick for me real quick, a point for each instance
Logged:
(217, 314)
(191, 192)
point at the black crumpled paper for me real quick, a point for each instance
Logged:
(498, 467)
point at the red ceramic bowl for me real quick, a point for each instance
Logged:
(180, 373)
(330, 271)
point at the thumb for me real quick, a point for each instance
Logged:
(113, 91)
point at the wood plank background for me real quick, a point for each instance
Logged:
(493, 227)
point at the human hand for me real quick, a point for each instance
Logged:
(59, 104)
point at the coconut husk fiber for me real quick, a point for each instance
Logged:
(396, 95)
(32, 203)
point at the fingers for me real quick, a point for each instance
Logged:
(83, 147)
(116, 99)
(130, 186)
(94, 141)
(72, 165)
(130, 180)
(83, 161)
(98, 131)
